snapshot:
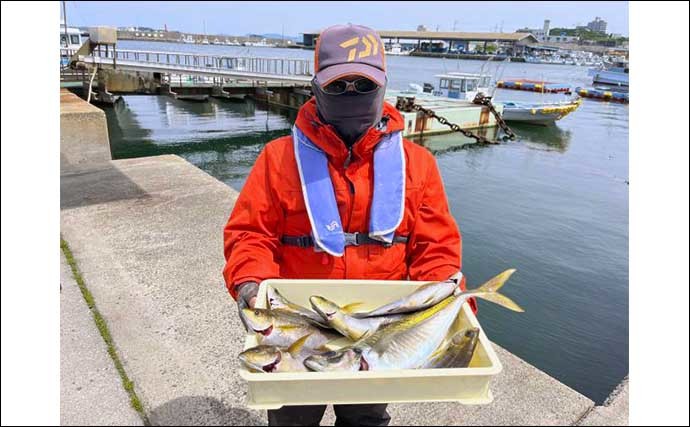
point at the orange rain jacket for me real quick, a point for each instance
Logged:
(271, 205)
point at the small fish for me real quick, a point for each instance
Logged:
(270, 358)
(432, 293)
(411, 342)
(350, 326)
(455, 352)
(423, 297)
(282, 328)
(276, 301)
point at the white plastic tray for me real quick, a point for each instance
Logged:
(465, 385)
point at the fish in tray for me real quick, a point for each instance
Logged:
(357, 328)
(276, 301)
(412, 342)
(281, 328)
(423, 297)
(292, 341)
(455, 352)
(271, 358)
(431, 294)
(352, 327)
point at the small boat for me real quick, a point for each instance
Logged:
(534, 86)
(457, 85)
(70, 41)
(452, 100)
(261, 43)
(542, 113)
(396, 50)
(604, 95)
(612, 74)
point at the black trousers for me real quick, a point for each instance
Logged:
(346, 415)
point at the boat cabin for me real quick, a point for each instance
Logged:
(462, 85)
(72, 40)
(619, 67)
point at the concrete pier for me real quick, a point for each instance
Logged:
(614, 411)
(146, 234)
(91, 391)
(84, 139)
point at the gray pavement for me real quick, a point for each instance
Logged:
(91, 391)
(147, 236)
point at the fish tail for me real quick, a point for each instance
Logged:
(489, 291)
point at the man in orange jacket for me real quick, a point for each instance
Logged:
(343, 197)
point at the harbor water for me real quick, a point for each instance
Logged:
(552, 204)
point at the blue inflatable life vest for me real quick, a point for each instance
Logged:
(388, 200)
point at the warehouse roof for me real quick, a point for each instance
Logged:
(452, 35)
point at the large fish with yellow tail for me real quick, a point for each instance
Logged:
(411, 342)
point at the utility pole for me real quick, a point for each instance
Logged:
(64, 16)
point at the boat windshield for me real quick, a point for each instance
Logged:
(464, 84)
(471, 85)
(73, 39)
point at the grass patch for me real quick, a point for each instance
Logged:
(102, 326)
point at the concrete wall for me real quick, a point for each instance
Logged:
(139, 82)
(84, 142)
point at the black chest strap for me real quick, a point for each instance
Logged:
(351, 239)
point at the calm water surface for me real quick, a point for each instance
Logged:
(553, 205)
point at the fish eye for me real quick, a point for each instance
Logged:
(256, 312)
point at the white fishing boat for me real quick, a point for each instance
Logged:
(396, 50)
(452, 100)
(70, 41)
(457, 85)
(613, 75)
(540, 113)
(261, 43)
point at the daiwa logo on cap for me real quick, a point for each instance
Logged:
(371, 46)
(347, 50)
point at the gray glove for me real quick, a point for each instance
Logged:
(245, 292)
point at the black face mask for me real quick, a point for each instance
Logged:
(351, 113)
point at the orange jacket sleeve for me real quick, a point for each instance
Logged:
(251, 238)
(434, 251)
(434, 246)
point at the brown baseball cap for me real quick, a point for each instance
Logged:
(343, 50)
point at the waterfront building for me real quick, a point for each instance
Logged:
(598, 25)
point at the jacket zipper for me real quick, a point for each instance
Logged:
(348, 159)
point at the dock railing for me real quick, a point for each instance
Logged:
(259, 65)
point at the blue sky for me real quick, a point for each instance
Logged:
(238, 18)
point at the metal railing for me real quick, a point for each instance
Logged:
(261, 65)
